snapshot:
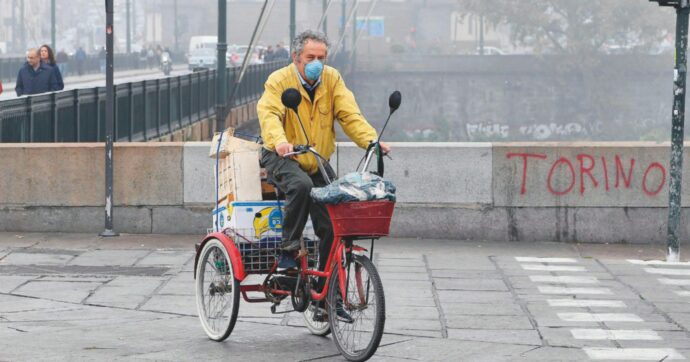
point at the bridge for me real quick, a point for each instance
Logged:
(145, 110)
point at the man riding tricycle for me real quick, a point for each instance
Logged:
(327, 276)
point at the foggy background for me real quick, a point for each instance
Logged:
(469, 70)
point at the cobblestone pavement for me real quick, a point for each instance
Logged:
(80, 297)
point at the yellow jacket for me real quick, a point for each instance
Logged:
(332, 101)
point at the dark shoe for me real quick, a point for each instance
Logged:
(293, 245)
(342, 314)
(286, 261)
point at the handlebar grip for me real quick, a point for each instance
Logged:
(297, 150)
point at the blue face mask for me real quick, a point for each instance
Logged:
(313, 70)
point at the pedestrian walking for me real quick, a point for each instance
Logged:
(35, 77)
(269, 54)
(143, 57)
(151, 56)
(48, 58)
(101, 59)
(62, 61)
(80, 57)
(281, 53)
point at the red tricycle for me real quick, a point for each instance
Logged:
(352, 299)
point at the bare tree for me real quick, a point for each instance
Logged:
(577, 26)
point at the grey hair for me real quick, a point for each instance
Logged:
(302, 38)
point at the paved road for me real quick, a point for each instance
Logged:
(75, 297)
(98, 80)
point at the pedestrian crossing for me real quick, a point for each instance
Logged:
(567, 283)
(669, 270)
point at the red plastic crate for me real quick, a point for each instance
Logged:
(362, 218)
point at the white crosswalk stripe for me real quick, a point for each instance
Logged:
(599, 317)
(668, 281)
(633, 354)
(563, 290)
(586, 303)
(616, 334)
(563, 279)
(659, 262)
(667, 271)
(565, 268)
(529, 259)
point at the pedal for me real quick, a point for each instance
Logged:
(273, 309)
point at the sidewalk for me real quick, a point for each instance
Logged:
(76, 296)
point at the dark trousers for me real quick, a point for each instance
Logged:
(296, 185)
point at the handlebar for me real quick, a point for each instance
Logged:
(302, 149)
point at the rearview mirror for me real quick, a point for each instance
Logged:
(291, 98)
(394, 101)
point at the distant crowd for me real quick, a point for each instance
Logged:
(279, 53)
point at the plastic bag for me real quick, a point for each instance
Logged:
(355, 186)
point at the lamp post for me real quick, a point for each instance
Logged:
(52, 26)
(293, 25)
(177, 30)
(129, 32)
(677, 124)
(221, 84)
(324, 6)
(109, 120)
(343, 9)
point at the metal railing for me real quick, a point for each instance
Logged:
(143, 110)
(9, 67)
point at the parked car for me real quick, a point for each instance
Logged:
(202, 52)
(238, 53)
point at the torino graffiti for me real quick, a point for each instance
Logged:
(585, 172)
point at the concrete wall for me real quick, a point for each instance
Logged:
(593, 192)
(519, 97)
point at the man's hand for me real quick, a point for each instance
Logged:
(385, 147)
(284, 148)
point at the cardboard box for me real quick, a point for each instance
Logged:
(239, 176)
(230, 144)
(259, 219)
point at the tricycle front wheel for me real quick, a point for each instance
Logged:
(357, 322)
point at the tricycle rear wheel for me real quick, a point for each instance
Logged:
(217, 291)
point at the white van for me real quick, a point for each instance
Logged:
(202, 52)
